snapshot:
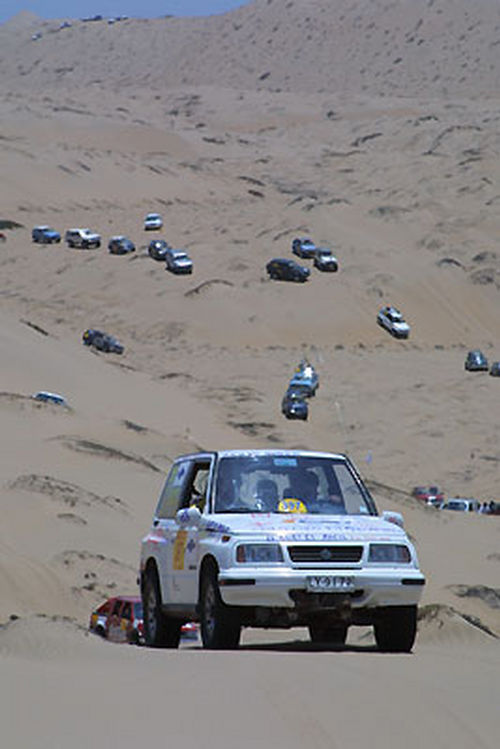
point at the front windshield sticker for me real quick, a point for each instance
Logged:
(292, 505)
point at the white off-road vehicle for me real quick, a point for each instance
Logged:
(82, 238)
(275, 538)
(392, 320)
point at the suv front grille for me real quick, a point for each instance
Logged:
(325, 554)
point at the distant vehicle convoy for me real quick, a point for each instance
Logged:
(275, 539)
(322, 257)
(302, 385)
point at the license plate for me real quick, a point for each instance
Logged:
(317, 583)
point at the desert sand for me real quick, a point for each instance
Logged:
(372, 127)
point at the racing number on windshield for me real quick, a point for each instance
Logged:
(179, 550)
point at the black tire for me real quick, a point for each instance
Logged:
(395, 629)
(327, 633)
(220, 627)
(160, 631)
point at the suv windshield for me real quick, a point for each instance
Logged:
(289, 483)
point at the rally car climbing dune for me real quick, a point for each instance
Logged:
(275, 538)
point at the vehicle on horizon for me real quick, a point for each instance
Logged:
(157, 249)
(495, 369)
(461, 504)
(275, 539)
(294, 405)
(476, 361)
(392, 320)
(45, 235)
(153, 222)
(284, 269)
(45, 396)
(120, 245)
(82, 238)
(431, 495)
(325, 261)
(178, 261)
(303, 247)
(102, 341)
(307, 379)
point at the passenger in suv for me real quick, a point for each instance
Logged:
(246, 538)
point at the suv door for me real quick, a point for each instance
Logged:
(166, 526)
(186, 544)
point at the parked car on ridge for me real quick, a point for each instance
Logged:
(285, 269)
(102, 341)
(495, 369)
(120, 245)
(178, 261)
(45, 396)
(304, 247)
(476, 361)
(157, 249)
(82, 238)
(459, 504)
(153, 222)
(392, 320)
(294, 405)
(45, 235)
(325, 261)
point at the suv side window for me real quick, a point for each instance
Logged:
(195, 494)
(173, 490)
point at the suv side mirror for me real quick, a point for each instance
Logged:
(189, 516)
(393, 517)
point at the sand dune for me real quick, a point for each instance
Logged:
(371, 127)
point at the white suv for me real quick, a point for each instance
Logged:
(82, 238)
(275, 538)
(392, 320)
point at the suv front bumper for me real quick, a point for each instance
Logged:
(278, 587)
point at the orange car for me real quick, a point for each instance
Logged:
(119, 619)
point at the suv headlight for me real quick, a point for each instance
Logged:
(259, 553)
(389, 553)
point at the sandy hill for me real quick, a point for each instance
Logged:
(438, 48)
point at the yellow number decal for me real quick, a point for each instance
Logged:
(292, 505)
(179, 550)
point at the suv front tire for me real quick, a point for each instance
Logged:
(160, 631)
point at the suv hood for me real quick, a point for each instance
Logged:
(303, 527)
